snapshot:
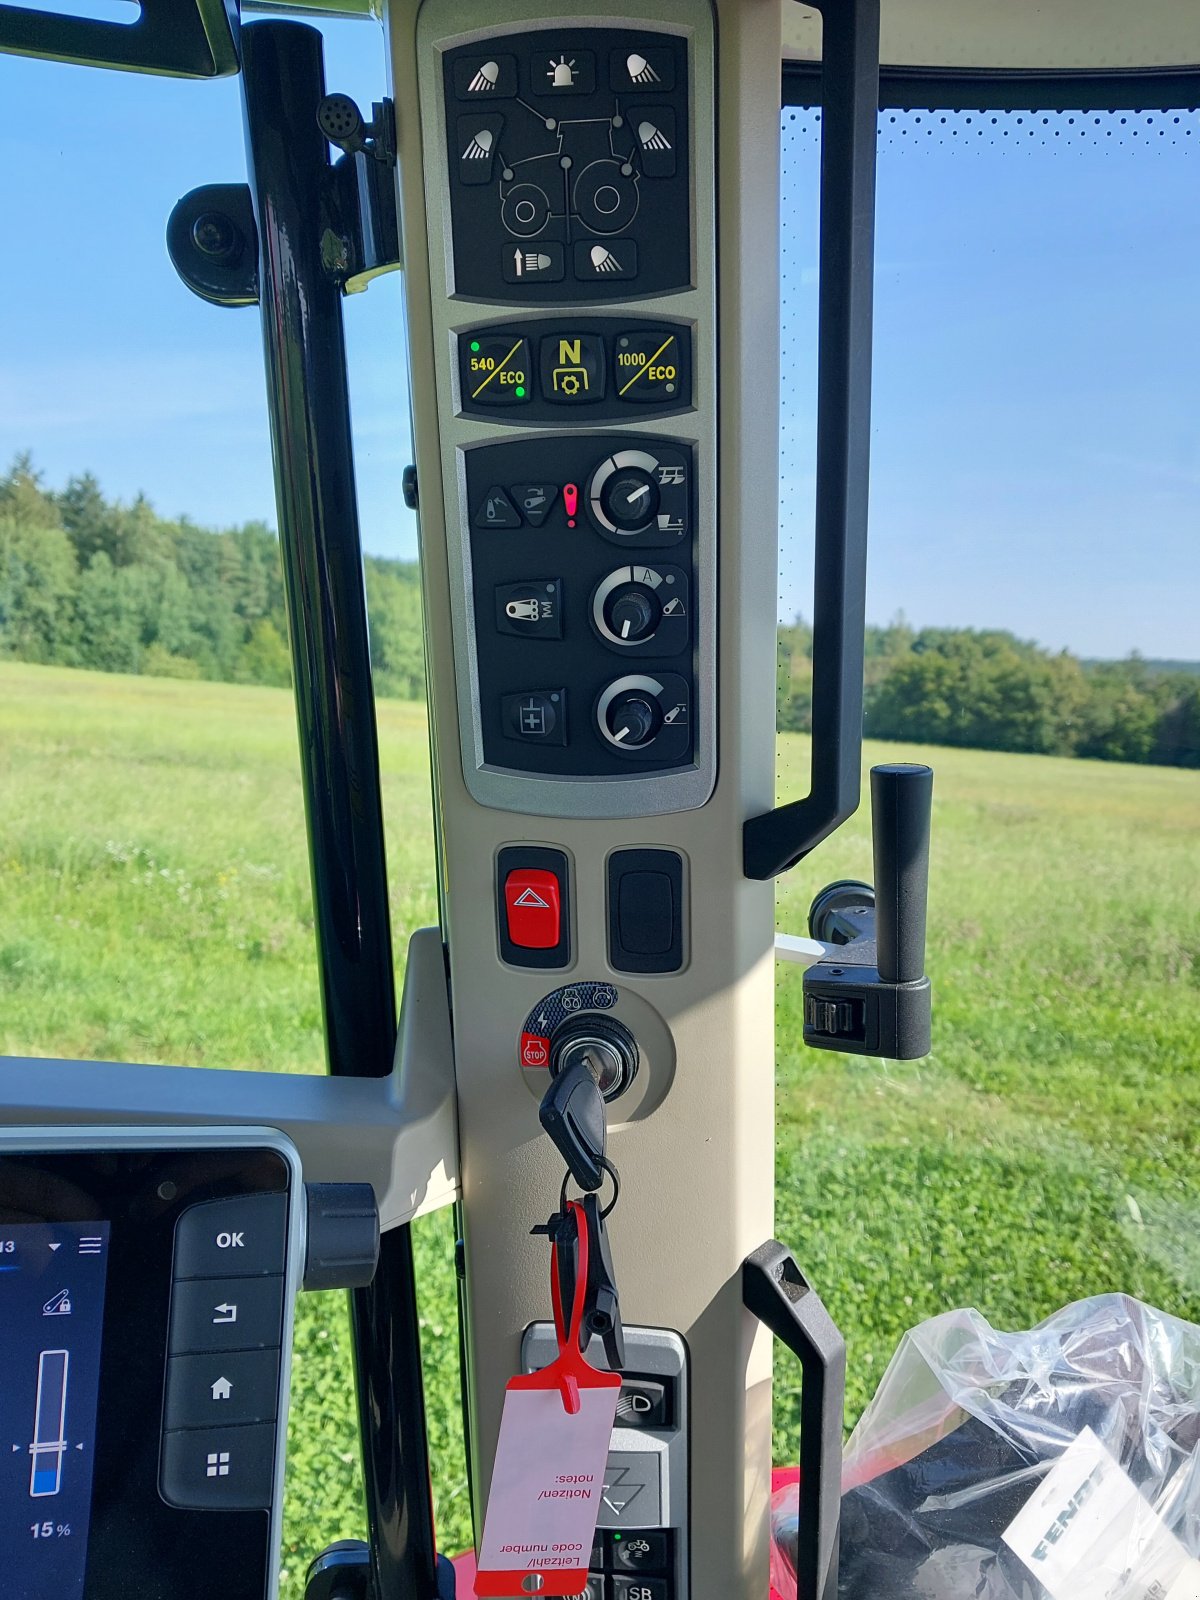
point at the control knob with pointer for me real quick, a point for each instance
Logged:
(633, 612)
(633, 720)
(631, 498)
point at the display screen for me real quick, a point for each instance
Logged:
(52, 1279)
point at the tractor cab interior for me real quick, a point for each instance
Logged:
(636, 249)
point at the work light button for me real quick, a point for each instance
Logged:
(532, 906)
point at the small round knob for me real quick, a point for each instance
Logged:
(604, 1045)
(632, 612)
(630, 497)
(632, 720)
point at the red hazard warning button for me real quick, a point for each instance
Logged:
(532, 905)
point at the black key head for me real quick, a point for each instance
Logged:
(572, 1113)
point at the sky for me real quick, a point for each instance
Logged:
(1036, 436)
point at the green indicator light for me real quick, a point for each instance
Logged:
(617, 1537)
(520, 391)
(475, 345)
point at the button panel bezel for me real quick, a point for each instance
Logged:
(655, 1353)
(538, 410)
(631, 788)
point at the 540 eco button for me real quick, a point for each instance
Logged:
(495, 369)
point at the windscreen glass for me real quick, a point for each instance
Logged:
(1034, 576)
(155, 901)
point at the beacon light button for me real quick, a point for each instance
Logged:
(533, 908)
(244, 1237)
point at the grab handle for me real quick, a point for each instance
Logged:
(780, 1296)
(778, 839)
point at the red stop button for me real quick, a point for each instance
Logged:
(532, 907)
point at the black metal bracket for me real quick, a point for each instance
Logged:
(778, 839)
(343, 1572)
(212, 238)
(781, 1297)
(178, 38)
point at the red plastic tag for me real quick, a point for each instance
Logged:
(548, 1476)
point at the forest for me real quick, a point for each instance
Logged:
(89, 582)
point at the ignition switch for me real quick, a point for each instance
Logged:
(604, 1045)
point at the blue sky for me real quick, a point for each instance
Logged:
(1037, 432)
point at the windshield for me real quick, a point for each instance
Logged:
(1033, 584)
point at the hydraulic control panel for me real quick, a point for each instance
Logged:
(573, 299)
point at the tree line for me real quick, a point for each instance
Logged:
(89, 582)
(989, 690)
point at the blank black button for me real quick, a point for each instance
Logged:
(222, 1390)
(215, 1314)
(219, 1468)
(241, 1238)
(645, 911)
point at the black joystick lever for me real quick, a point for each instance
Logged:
(869, 995)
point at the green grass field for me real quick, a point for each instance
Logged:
(154, 906)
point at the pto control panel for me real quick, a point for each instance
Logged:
(571, 192)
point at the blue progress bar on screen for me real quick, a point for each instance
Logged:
(49, 1424)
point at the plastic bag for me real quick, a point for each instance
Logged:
(1071, 1451)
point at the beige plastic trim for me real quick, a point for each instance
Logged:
(697, 1172)
(1019, 35)
(397, 1133)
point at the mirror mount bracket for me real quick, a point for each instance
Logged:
(212, 237)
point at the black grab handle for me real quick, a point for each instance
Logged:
(778, 839)
(901, 805)
(780, 1296)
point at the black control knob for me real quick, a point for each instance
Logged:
(633, 720)
(604, 1045)
(630, 497)
(632, 612)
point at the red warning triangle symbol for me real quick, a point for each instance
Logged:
(531, 897)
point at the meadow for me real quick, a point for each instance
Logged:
(154, 906)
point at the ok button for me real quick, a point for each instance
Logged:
(241, 1238)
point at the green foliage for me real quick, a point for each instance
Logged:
(154, 906)
(987, 690)
(85, 582)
